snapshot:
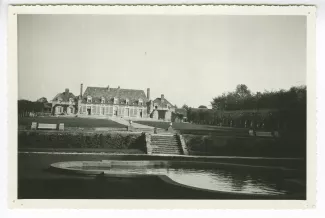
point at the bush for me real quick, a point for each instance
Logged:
(249, 147)
(80, 140)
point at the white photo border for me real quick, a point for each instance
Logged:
(308, 11)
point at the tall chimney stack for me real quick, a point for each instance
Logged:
(148, 93)
(162, 97)
(66, 91)
(81, 90)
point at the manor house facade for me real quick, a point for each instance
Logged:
(107, 101)
(112, 102)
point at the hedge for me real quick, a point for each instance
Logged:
(245, 146)
(112, 140)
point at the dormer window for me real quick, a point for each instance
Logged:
(102, 100)
(71, 100)
(89, 99)
(115, 100)
(59, 100)
(127, 101)
(140, 101)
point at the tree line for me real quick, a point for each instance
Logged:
(26, 107)
(242, 108)
(242, 98)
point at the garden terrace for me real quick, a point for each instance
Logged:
(70, 122)
(188, 128)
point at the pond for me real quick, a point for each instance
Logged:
(208, 176)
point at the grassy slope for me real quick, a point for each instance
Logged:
(188, 128)
(70, 121)
(183, 126)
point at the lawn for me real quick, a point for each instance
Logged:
(189, 128)
(180, 126)
(70, 121)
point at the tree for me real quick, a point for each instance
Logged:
(186, 107)
(236, 100)
(42, 100)
(220, 102)
(242, 92)
(202, 106)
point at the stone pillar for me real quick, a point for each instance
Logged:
(168, 115)
(155, 115)
(148, 143)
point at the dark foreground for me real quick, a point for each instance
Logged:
(36, 181)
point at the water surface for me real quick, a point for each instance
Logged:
(222, 179)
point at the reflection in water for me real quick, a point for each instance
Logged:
(214, 179)
(222, 180)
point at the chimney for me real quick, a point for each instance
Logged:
(66, 91)
(118, 87)
(108, 88)
(148, 93)
(81, 90)
(162, 97)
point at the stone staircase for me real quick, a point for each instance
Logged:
(166, 144)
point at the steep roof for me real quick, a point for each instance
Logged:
(161, 103)
(65, 96)
(97, 93)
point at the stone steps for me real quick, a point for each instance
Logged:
(167, 149)
(170, 147)
(164, 149)
(157, 151)
(167, 140)
(165, 144)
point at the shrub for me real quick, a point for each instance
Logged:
(250, 147)
(80, 140)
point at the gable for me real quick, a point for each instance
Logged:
(162, 103)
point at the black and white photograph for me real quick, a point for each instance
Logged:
(171, 104)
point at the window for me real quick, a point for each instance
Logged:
(115, 100)
(59, 100)
(89, 99)
(70, 100)
(140, 102)
(59, 109)
(103, 100)
(127, 101)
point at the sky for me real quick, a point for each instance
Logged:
(189, 59)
